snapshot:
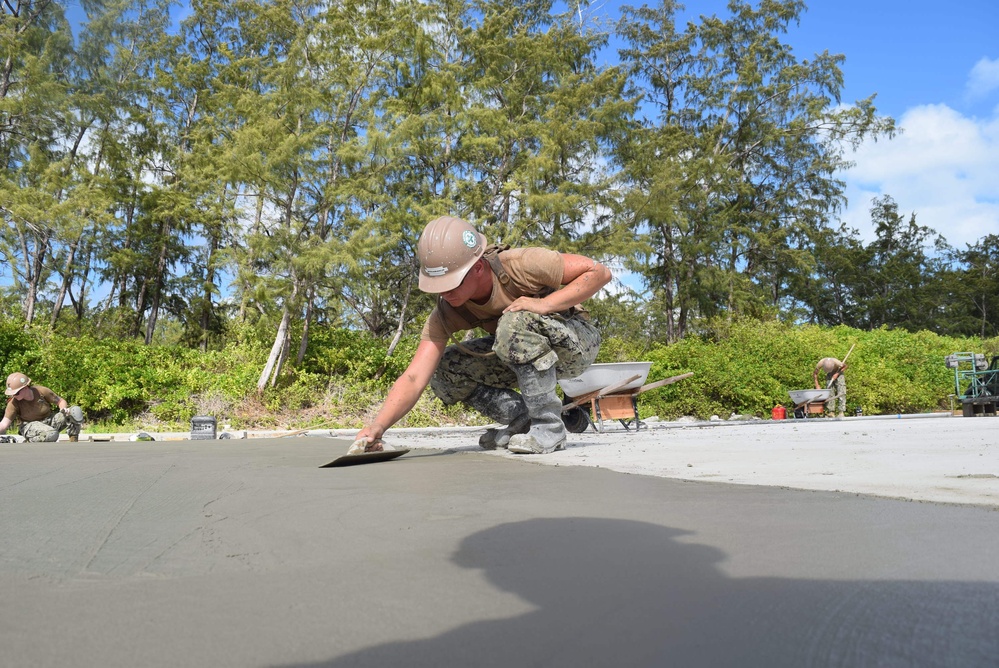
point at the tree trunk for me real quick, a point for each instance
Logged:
(305, 328)
(669, 286)
(273, 358)
(154, 307)
(140, 306)
(80, 305)
(71, 256)
(279, 350)
(67, 276)
(399, 327)
(37, 266)
(206, 310)
(258, 216)
(283, 357)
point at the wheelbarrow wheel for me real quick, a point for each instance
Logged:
(576, 420)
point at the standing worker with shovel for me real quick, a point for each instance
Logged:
(834, 370)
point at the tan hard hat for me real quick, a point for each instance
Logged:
(16, 382)
(447, 250)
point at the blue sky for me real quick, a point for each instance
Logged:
(935, 69)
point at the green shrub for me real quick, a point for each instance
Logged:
(750, 367)
(744, 367)
(336, 354)
(15, 344)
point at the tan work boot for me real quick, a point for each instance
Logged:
(74, 438)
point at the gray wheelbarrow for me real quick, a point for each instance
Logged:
(813, 401)
(610, 390)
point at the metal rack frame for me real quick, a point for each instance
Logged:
(976, 382)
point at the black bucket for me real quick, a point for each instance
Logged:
(203, 428)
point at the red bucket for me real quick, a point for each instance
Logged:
(778, 413)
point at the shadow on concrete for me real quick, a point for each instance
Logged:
(622, 593)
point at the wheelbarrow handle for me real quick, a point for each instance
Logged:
(578, 401)
(666, 381)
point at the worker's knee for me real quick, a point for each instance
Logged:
(39, 432)
(521, 338)
(465, 367)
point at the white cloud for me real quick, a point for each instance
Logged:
(984, 78)
(944, 167)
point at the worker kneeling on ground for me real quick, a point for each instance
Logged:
(32, 406)
(527, 299)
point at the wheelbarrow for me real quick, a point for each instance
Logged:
(812, 402)
(610, 390)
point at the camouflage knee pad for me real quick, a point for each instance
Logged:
(73, 428)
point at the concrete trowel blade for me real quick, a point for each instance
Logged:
(365, 458)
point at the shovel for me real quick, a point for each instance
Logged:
(830, 384)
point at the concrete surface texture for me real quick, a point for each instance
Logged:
(932, 457)
(245, 553)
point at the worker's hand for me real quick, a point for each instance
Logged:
(368, 439)
(370, 433)
(360, 446)
(532, 304)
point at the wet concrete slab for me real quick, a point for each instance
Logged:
(246, 553)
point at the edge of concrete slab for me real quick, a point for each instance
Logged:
(611, 426)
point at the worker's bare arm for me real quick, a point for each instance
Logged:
(406, 390)
(582, 277)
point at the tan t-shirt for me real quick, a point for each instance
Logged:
(38, 407)
(532, 269)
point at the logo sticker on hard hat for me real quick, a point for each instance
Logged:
(469, 238)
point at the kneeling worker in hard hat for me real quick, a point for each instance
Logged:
(32, 406)
(527, 299)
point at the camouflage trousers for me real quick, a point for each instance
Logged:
(522, 337)
(838, 395)
(47, 430)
